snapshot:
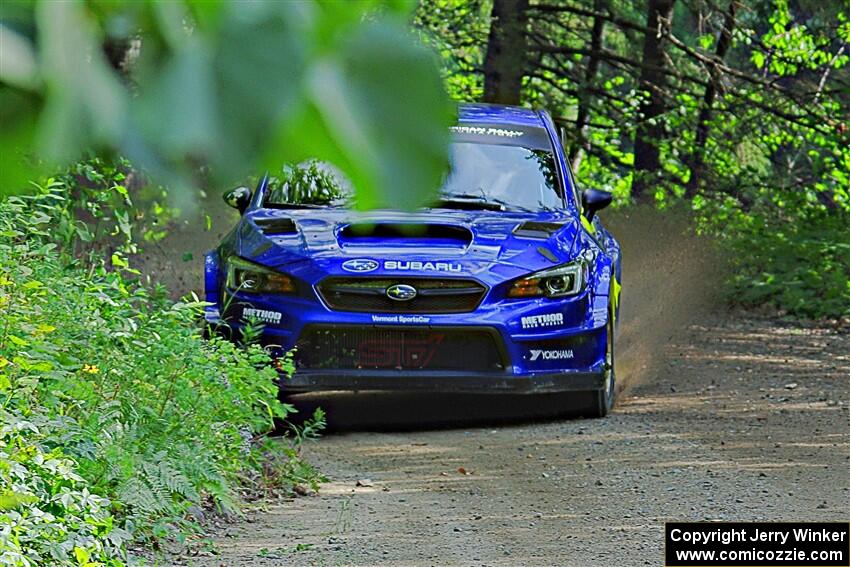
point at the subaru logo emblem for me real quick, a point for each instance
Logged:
(360, 265)
(401, 292)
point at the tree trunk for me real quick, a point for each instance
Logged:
(697, 159)
(504, 64)
(652, 80)
(585, 97)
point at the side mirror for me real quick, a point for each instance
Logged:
(238, 198)
(594, 200)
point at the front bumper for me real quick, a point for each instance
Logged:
(539, 345)
(434, 381)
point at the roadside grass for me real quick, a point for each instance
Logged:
(119, 423)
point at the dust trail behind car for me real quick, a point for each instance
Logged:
(671, 279)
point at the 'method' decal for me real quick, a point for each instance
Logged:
(545, 320)
(263, 315)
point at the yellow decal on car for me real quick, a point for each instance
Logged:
(615, 296)
(587, 225)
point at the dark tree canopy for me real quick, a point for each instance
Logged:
(664, 97)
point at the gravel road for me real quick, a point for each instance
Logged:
(739, 419)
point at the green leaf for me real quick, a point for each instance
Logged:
(380, 114)
(234, 86)
(10, 500)
(119, 262)
(85, 102)
(177, 111)
(82, 556)
(259, 58)
(17, 137)
(17, 59)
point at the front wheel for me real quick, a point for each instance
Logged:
(602, 400)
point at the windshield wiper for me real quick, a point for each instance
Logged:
(457, 202)
(470, 201)
(284, 206)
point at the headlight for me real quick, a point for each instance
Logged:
(248, 277)
(561, 281)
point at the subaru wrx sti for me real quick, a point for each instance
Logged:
(508, 282)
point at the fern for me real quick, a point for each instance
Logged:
(145, 500)
(175, 480)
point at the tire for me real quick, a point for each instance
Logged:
(601, 401)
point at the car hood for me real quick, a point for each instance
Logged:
(467, 241)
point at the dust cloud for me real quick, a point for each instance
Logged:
(671, 279)
(177, 261)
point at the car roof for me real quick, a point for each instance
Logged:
(481, 113)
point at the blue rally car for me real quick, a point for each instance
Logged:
(507, 283)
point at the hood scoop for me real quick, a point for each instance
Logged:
(535, 229)
(276, 225)
(404, 235)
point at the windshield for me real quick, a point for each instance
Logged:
(483, 175)
(512, 176)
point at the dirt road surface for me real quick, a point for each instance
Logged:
(744, 420)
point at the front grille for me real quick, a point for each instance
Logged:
(392, 348)
(432, 295)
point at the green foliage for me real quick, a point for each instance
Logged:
(307, 183)
(793, 258)
(48, 514)
(103, 208)
(109, 391)
(239, 87)
(457, 30)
